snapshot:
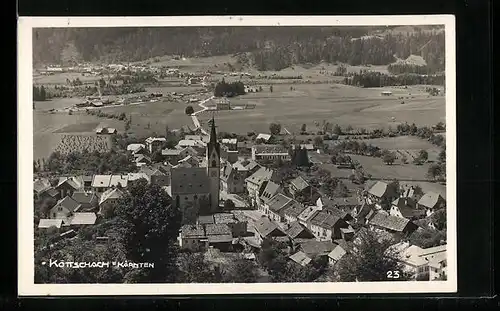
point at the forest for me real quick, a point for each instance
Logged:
(268, 48)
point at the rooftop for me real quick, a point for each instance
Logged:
(299, 183)
(269, 149)
(217, 229)
(301, 258)
(278, 202)
(192, 231)
(189, 180)
(48, 223)
(390, 222)
(430, 200)
(83, 219)
(294, 229)
(337, 253)
(379, 189)
(323, 219)
(314, 248)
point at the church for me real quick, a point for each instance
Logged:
(195, 186)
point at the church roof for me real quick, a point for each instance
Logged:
(213, 143)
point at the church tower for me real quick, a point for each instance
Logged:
(213, 168)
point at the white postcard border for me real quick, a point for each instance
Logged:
(26, 285)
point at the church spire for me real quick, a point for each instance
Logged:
(213, 144)
(213, 134)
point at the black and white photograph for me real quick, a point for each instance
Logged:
(205, 155)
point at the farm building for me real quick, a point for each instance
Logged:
(386, 93)
(263, 137)
(155, 143)
(270, 152)
(222, 103)
(105, 130)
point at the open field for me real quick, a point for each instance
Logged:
(60, 78)
(410, 146)
(379, 169)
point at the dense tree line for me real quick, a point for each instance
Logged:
(271, 48)
(39, 93)
(378, 79)
(229, 89)
(397, 68)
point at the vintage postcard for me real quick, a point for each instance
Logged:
(236, 155)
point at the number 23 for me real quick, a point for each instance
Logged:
(393, 274)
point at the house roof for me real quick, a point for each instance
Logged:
(41, 185)
(308, 213)
(136, 176)
(135, 147)
(335, 211)
(278, 202)
(84, 197)
(203, 138)
(48, 223)
(220, 238)
(294, 209)
(230, 141)
(189, 180)
(68, 203)
(262, 174)
(314, 248)
(270, 190)
(224, 218)
(171, 152)
(430, 199)
(192, 231)
(294, 229)
(101, 181)
(118, 180)
(226, 172)
(205, 219)
(299, 183)
(433, 250)
(110, 194)
(301, 258)
(269, 149)
(75, 182)
(264, 227)
(83, 219)
(337, 253)
(217, 229)
(52, 192)
(263, 136)
(410, 212)
(390, 222)
(379, 189)
(245, 164)
(323, 219)
(141, 158)
(153, 139)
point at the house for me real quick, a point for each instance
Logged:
(386, 93)
(238, 228)
(300, 258)
(50, 193)
(192, 161)
(157, 174)
(40, 186)
(381, 194)
(64, 208)
(364, 214)
(88, 201)
(265, 228)
(81, 219)
(222, 103)
(155, 143)
(254, 181)
(67, 185)
(49, 223)
(203, 138)
(219, 236)
(229, 155)
(326, 226)
(101, 183)
(295, 230)
(232, 181)
(141, 160)
(87, 182)
(332, 210)
(306, 215)
(247, 166)
(244, 147)
(231, 143)
(275, 205)
(421, 264)
(109, 199)
(263, 137)
(317, 249)
(336, 254)
(346, 204)
(292, 211)
(406, 208)
(184, 143)
(299, 186)
(193, 237)
(266, 192)
(308, 147)
(172, 155)
(103, 130)
(189, 186)
(431, 202)
(270, 153)
(396, 225)
(136, 148)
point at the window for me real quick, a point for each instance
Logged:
(186, 198)
(60, 209)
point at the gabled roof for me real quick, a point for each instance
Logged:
(324, 220)
(263, 136)
(202, 220)
(390, 222)
(83, 219)
(136, 176)
(41, 185)
(68, 203)
(118, 180)
(294, 209)
(299, 183)
(245, 164)
(337, 253)
(84, 197)
(430, 200)
(189, 180)
(152, 139)
(171, 152)
(278, 202)
(48, 223)
(335, 211)
(74, 182)
(111, 194)
(308, 213)
(301, 258)
(265, 227)
(262, 174)
(269, 149)
(101, 181)
(314, 248)
(226, 172)
(294, 229)
(217, 229)
(229, 141)
(270, 190)
(135, 147)
(192, 231)
(379, 189)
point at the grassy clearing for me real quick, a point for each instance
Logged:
(78, 128)
(60, 78)
(378, 169)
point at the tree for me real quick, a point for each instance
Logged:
(242, 271)
(194, 268)
(271, 89)
(229, 205)
(303, 128)
(423, 155)
(404, 159)
(43, 94)
(427, 237)
(442, 156)
(189, 110)
(435, 171)
(275, 128)
(438, 218)
(341, 190)
(337, 130)
(318, 141)
(389, 158)
(370, 260)
(149, 227)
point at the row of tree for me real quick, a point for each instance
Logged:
(378, 79)
(39, 93)
(229, 89)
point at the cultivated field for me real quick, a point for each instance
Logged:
(60, 78)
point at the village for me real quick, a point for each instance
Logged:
(248, 201)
